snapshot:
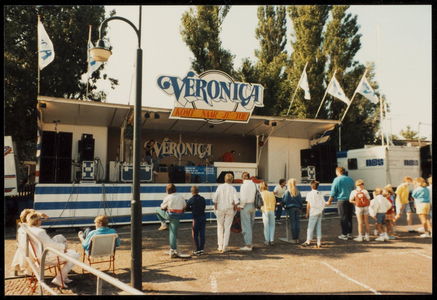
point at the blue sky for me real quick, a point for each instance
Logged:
(403, 70)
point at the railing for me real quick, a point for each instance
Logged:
(39, 274)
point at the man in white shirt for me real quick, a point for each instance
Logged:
(247, 209)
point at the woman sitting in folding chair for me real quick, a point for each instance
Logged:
(101, 223)
(58, 242)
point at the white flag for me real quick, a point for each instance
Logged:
(46, 51)
(366, 90)
(336, 91)
(92, 64)
(304, 85)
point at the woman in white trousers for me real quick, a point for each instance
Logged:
(225, 205)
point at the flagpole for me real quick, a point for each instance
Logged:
(298, 84)
(88, 63)
(38, 54)
(323, 100)
(353, 96)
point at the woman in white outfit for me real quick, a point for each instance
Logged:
(34, 221)
(225, 205)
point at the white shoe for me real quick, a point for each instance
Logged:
(349, 236)
(245, 248)
(58, 282)
(163, 227)
(386, 238)
(425, 235)
(366, 238)
(421, 229)
(225, 249)
(375, 232)
(343, 237)
(67, 280)
(219, 249)
(358, 239)
(380, 239)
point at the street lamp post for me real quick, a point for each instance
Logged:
(101, 53)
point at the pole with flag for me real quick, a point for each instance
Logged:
(365, 90)
(335, 90)
(303, 83)
(46, 51)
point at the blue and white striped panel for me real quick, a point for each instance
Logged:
(90, 200)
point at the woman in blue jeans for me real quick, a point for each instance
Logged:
(292, 202)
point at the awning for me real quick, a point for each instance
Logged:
(90, 113)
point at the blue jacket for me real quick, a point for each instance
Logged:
(341, 188)
(98, 231)
(196, 204)
(290, 201)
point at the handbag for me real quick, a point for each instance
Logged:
(259, 202)
(236, 223)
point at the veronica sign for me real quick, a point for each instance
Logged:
(212, 96)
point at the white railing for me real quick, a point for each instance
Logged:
(39, 274)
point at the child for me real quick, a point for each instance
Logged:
(361, 198)
(196, 204)
(315, 207)
(421, 202)
(268, 213)
(380, 206)
(390, 215)
(292, 202)
(279, 193)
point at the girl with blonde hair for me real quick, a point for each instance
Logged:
(268, 213)
(421, 202)
(292, 202)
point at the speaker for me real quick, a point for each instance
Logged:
(307, 157)
(86, 147)
(177, 174)
(221, 178)
(55, 160)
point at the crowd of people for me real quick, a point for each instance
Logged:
(384, 206)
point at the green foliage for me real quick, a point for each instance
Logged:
(409, 134)
(68, 28)
(200, 30)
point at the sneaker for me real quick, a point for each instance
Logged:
(225, 249)
(343, 237)
(67, 280)
(173, 254)
(195, 253)
(266, 243)
(421, 230)
(391, 237)
(380, 239)
(296, 242)
(412, 231)
(425, 235)
(375, 232)
(163, 227)
(58, 282)
(349, 236)
(272, 243)
(201, 252)
(80, 234)
(319, 246)
(245, 248)
(386, 238)
(358, 239)
(305, 244)
(219, 249)
(366, 238)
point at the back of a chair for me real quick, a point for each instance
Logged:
(102, 245)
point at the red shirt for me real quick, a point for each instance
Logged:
(228, 156)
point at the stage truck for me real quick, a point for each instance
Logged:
(82, 171)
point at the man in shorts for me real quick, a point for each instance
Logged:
(403, 203)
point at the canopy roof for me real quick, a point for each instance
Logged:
(89, 113)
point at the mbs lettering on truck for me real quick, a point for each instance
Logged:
(213, 95)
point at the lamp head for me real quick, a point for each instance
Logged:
(100, 53)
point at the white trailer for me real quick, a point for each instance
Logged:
(381, 165)
(10, 169)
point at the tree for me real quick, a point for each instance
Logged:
(272, 57)
(409, 134)
(200, 30)
(307, 40)
(68, 28)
